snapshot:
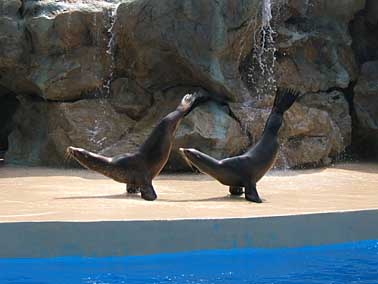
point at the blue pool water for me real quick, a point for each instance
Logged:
(336, 264)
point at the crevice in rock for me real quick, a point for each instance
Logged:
(348, 93)
(21, 11)
(29, 42)
(242, 25)
(89, 95)
(181, 85)
(364, 35)
(8, 106)
(244, 70)
(232, 115)
(349, 153)
(363, 29)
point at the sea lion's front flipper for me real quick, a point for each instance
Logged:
(132, 189)
(236, 190)
(148, 192)
(251, 193)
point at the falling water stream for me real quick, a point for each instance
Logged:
(260, 74)
(95, 132)
(110, 48)
(102, 94)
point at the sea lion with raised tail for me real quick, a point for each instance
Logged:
(138, 169)
(246, 170)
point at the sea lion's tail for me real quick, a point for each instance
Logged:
(284, 100)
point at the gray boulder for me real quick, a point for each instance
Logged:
(43, 130)
(166, 43)
(68, 56)
(130, 98)
(12, 37)
(315, 129)
(209, 128)
(314, 44)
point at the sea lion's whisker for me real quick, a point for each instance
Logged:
(192, 167)
(68, 155)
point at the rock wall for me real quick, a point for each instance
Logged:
(364, 29)
(100, 74)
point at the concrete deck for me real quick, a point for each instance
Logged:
(42, 194)
(50, 213)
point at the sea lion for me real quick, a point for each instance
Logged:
(246, 170)
(138, 169)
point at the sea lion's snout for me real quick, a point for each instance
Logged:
(73, 151)
(186, 154)
(188, 100)
(189, 153)
(201, 97)
(184, 151)
(69, 151)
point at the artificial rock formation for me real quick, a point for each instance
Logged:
(100, 74)
(366, 109)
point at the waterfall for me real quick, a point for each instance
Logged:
(110, 49)
(266, 13)
(260, 74)
(104, 93)
(262, 69)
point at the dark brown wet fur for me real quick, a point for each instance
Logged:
(245, 170)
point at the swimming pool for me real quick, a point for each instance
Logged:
(336, 264)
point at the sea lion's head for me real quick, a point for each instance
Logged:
(190, 101)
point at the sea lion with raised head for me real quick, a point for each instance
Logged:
(138, 169)
(246, 170)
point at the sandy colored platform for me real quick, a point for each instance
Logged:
(39, 194)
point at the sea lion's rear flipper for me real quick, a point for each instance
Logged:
(284, 100)
(251, 193)
(132, 189)
(236, 190)
(148, 192)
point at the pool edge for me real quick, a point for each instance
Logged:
(124, 238)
